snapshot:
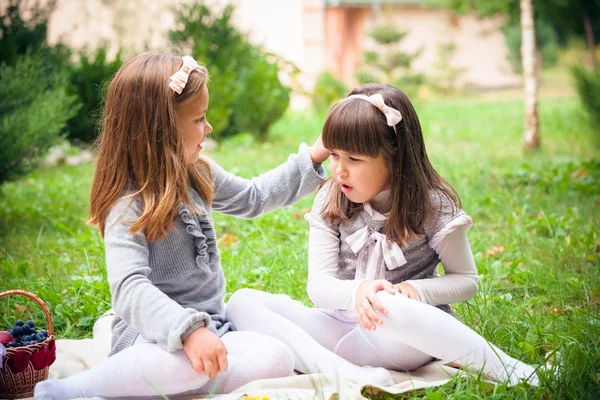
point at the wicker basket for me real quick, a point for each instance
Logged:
(23, 367)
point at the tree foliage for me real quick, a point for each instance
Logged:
(244, 83)
(587, 84)
(387, 64)
(556, 21)
(24, 30)
(34, 109)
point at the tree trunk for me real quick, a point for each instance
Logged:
(531, 139)
(589, 35)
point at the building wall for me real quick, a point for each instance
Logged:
(480, 47)
(305, 32)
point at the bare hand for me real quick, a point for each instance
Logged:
(318, 153)
(366, 299)
(408, 290)
(206, 352)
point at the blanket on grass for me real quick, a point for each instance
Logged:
(73, 356)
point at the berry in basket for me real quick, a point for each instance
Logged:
(6, 337)
(22, 335)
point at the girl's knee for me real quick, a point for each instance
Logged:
(399, 307)
(275, 358)
(248, 302)
(244, 298)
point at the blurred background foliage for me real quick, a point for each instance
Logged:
(71, 82)
(245, 84)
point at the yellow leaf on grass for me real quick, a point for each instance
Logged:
(227, 240)
(493, 251)
(300, 215)
(580, 174)
(20, 308)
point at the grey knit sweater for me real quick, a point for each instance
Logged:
(164, 290)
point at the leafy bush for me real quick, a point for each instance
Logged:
(387, 64)
(87, 78)
(546, 42)
(34, 109)
(269, 101)
(587, 84)
(328, 91)
(23, 29)
(244, 81)
(445, 76)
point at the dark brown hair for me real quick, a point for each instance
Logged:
(358, 127)
(141, 152)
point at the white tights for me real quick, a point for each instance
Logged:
(412, 334)
(145, 369)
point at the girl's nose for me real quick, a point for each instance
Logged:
(209, 128)
(341, 170)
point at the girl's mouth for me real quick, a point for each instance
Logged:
(345, 188)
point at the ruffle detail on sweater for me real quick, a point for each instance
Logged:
(200, 227)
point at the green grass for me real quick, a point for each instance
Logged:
(539, 294)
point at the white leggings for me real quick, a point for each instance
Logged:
(145, 369)
(412, 334)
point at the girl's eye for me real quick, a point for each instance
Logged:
(355, 159)
(200, 120)
(333, 154)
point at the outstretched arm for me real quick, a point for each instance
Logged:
(279, 187)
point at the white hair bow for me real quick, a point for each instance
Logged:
(392, 115)
(179, 79)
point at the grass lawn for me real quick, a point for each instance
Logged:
(535, 237)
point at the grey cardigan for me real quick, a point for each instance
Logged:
(164, 290)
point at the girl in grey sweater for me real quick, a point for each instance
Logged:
(152, 198)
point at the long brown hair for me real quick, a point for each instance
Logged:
(141, 152)
(358, 127)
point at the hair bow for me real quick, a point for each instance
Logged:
(392, 115)
(179, 79)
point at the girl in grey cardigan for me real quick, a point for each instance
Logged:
(152, 198)
(378, 230)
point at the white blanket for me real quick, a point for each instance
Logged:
(73, 356)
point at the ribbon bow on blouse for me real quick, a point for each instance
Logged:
(392, 115)
(374, 252)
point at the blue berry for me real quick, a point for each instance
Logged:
(19, 323)
(30, 323)
(44, 332)
(10, 331)
(26, 338)
(18, 331)
(26, 329)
